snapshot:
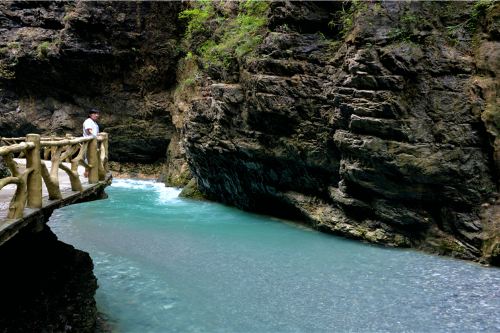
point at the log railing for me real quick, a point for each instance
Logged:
(91, 152)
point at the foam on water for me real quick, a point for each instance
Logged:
(165, 194)
(165, 264)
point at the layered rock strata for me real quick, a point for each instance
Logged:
(379, 135)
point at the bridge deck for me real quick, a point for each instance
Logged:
(9, 227)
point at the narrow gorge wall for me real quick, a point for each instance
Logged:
(369, 120)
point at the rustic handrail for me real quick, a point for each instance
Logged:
(91, 152)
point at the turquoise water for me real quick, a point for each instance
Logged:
(166, 264)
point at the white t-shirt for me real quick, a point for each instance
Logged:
(90, 124)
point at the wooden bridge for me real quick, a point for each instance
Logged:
(47, 173)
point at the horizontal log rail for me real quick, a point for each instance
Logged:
(91, 152)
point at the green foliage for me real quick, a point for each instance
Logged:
(42, 50)
(409, 23)
(197, 17)
(343, 20)
(13, 45)
(10, 48)
(187, 75)
(479, 10)
(224, 37)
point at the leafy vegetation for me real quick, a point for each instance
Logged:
(187, 76)
(479, 10)
(343, 20)
(197, 17)
(406, 28)
(219, 37)
(42, 50)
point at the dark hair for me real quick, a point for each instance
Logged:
(94, 111)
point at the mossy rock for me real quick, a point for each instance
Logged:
(192, 191)
(178, 180)
(451, 247)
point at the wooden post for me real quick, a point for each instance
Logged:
(105, 144)
(103, 159)
(68, 137)
(93, 161)
(34, 182)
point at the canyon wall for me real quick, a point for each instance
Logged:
(373, 120)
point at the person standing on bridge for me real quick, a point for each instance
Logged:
(91, 128)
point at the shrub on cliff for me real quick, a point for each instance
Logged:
(218, 34)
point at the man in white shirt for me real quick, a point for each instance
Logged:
(91, 128)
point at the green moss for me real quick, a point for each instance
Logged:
(42, 50)
(450, 247)
(178, 180)
(192, 191)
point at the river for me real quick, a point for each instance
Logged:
(167, 264)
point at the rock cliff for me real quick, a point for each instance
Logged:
(373, 120)
(58, 59)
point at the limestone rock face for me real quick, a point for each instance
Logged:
(58, 59)
(378, 135)
(48, 286)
